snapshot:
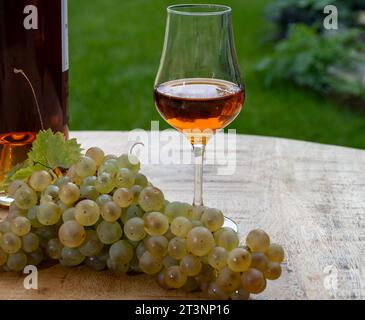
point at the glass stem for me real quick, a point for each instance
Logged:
(198, 150)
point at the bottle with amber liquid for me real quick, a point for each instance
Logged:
(33, 76)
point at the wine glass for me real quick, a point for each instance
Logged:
(198, 88)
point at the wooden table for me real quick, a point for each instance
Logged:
(308, 197)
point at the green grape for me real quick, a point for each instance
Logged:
(110, 157)
(129, 161)
(141, 180)
(71, 257)
(69, 214)
(47, 232)
(86, 166)
(124, 178)
(89, 192)
(239, 260)
(121, 252)
(131, 212)
(30, 242)
(136, 190)
(40, 180)
(190, 265)
(190, 285)
(273, 271)
(20, 226)
(275, 253)
(253, 281)
(109, 166)
(217, 258)
(71, 234)
(48, 214)
(199, 241)
(74, 177)
(155, 223)
(177, 248)
(62, 180)
(151, 199)
(123, 197)
(96, 154)
(180, 226)
(91, 245)
(15, 186)
(134, 229)
(169, 261)
(16, 261)
(5, 226)
(104, 183)
(178, 209)
(134, 265)
(52, 191)
(117, 267)
(161, 280)
(227, 238)
(10, 243)
(45, 199)
(149, 264)
(197, 212)
(87, 212)
(228, 280)
(196, 223)
(25, 198)
(215, 292)
(88, 181)
(156, 245)
(259, 261)
(240, 294)
(140, 250)
(13, 209)
(104, 254)
(95, 263)
(109, 232)
(258, 241)
(110, 211)
(103, 198)
(212, 219)
(35, 258)
(63, 207)
(3, 257)
(69, 193)
(54, 249)
(174, 277)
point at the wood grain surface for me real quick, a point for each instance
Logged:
(309, 197)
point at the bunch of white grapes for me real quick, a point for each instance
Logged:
(106, 214)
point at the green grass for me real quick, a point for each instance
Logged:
(115, 48)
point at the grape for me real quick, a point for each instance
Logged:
(190, 285)
(161, 280)
(141, 180)
(196, 223)
(180, 226)
(47, 232)
(87, 212)
(88, 181)
(190, 265)
(15, 186)
(95, 263)
(150, 264)
(25, 198)
(136, 190)
(104, 183)
(109, 232)
(71, 257)
(134, 229)
(35, 258)
(86, 166)
(151, 199)
(131, 212)
(258, 240)
(275, 253)
(240, 294)
(216, 293)
(228, 280)
(30, 242)
(71, 234)
(227, 238)
(273, 271)
(239, 260)
(178, 209)
(174, 277)
(32, 217)
(5, 226)
(52, 191)
(117, 267)
(10, 243)
(121, 252)
(110, 157)
(96, 154)
(134, 265)
(89, 192)
(129, 161)
(110, 211)
(177, 248)
(109, 166)
(48, 214)
(3, 257)
(14, 210)
(16, 261)
(212, 219)
(73, 176)
(199, 241)
(156, 245)
(259, 261)
(62, 180)
(155, 223)
(54, 249)
(253, 281)
(91, 245)
(169, 261)
(140, 250)
(40, 180)
(207, 274)
(103, 198)
(217, 258)
(124, 178)
(20, 226)
(69, 214)
(123, 197)
(197, 212)
(69, 193)
(168, 234)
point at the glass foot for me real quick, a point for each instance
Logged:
(5, 201)
(230, 223)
